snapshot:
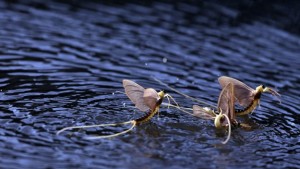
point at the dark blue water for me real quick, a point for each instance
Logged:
(61, 63)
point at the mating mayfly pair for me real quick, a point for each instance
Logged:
(232, 91)
(148, 100)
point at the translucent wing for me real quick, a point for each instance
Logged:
(231, 102)
(243, 93)
(135, 93)
(203, 113)
(226, 101)
(150, 98)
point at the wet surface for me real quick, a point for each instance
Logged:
(61, 63)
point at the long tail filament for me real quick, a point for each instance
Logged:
(229, 130)
(133, 122)
(187, 96)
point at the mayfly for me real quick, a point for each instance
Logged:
(226, 116)
(245, 95)
(146, 100)
(225, 108)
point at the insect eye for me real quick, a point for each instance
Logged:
(263, 86)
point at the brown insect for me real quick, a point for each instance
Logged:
(146, 100)
(245, 95)
(226, 110)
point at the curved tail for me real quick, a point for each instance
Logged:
(229, 130)
(132, 122)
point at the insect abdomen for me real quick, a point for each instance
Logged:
(147, 116)
(248, 109)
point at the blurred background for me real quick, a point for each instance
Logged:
(61, 63)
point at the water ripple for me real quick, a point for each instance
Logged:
(62, 62)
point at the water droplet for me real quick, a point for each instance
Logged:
(165, 60)
(113, 93)
(124, 104)
(146, 64)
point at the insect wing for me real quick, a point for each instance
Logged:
(243, 93)
(226, 101)
(231, 102)
(135, 93)
(150, 98)
(202, 113)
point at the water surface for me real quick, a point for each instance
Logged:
(61, 63)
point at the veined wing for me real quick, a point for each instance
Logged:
(135, 93)
(243, 93)
(150, 98)
(226, 101)
(203, 113)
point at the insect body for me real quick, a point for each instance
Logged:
(146, 100)
(245, 95)
(226, 110)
